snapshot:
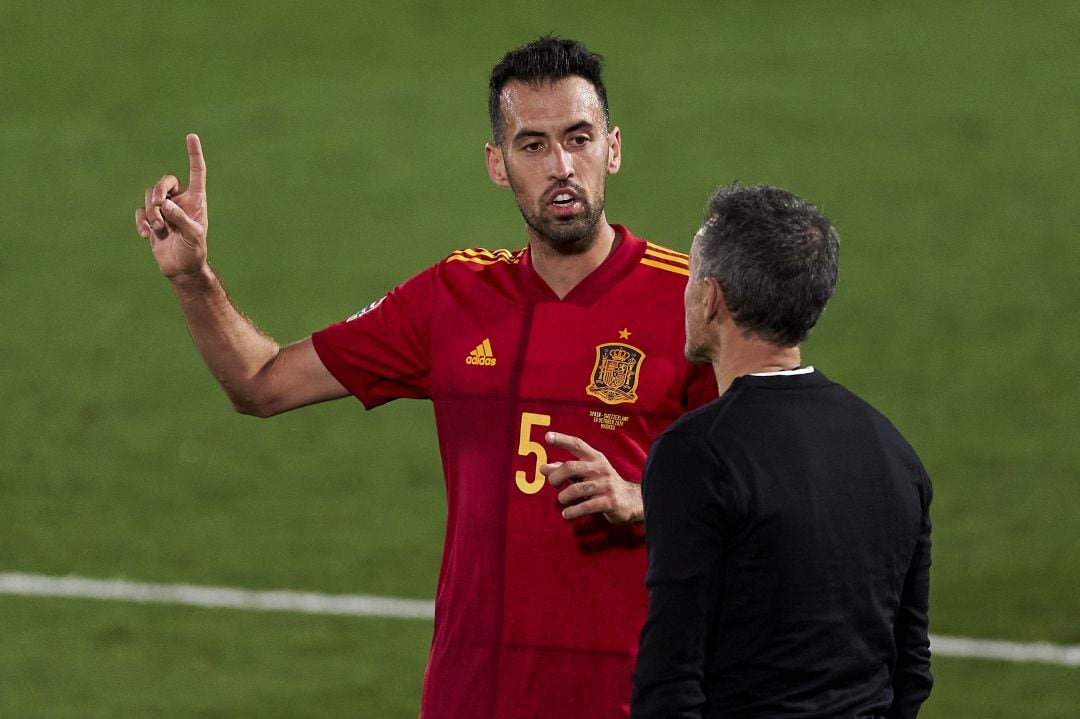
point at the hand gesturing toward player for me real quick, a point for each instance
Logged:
(173, 218)
(595, 487)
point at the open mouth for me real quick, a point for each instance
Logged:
(564, 203)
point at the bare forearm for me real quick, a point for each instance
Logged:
(260, 376)
(235, 350)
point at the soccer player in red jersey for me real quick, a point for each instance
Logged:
(551, 370)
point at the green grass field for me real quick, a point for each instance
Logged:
(345, 148)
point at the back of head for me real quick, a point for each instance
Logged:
(774, 255)
(545, 60)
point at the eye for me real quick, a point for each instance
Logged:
(579, 140)
(533, 147)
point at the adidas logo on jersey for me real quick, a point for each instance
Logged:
(482, 355)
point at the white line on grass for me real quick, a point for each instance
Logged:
(369, 606)
(1042, 652)
(202, 596)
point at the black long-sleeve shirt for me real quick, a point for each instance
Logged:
(788, 535)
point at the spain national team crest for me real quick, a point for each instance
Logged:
(615, 374)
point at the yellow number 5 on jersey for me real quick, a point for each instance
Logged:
(527, 446)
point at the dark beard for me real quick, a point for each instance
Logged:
(570, 236)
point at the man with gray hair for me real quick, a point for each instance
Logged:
(788, 521)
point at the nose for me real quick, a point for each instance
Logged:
(562, 166)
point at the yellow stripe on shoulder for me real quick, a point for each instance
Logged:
(677, 269)
(479, 256)
(666, 255)
(474, 252)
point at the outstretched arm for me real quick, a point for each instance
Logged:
(594, 485)
(260, 376)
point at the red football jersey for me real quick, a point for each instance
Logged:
(535, 616)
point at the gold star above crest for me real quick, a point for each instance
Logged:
(624, 334)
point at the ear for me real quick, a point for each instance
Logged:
(715, 305)
(496, 165)
(614, 156)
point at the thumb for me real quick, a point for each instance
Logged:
(179, 219)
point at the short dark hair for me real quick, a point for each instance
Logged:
(775, 256)
(544, 60)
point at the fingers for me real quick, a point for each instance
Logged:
(165, 187)
(575, 445)
(152, 214)
(196, 164)
(585, 498)
(141, 225)
(152, 218)
(619, 501)
(559, 472)
(596, 505)
(179, 219)
(153, 198)
(581, 491)
(594, 485)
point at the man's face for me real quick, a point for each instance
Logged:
(556, 154)
(698, 349)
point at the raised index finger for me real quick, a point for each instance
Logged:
(575, 445)
(196, 164)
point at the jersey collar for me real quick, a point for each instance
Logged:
(618, 264)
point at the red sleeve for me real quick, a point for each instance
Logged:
(383, 352)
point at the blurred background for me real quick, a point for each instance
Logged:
(345, 152)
